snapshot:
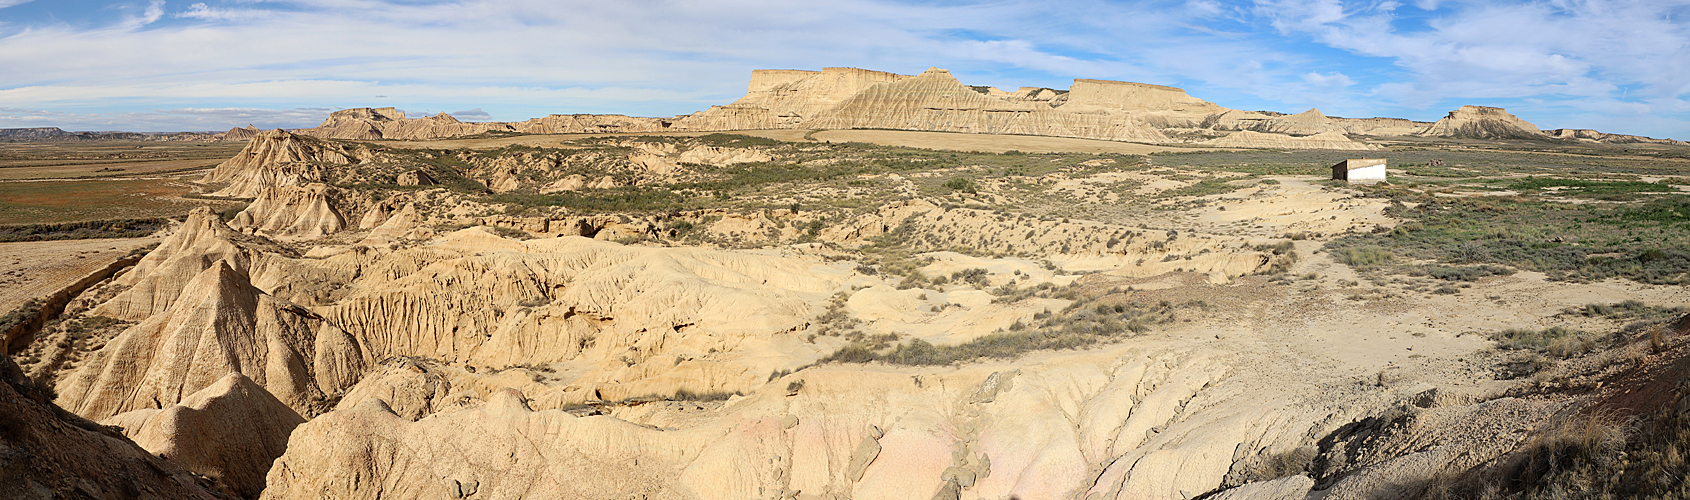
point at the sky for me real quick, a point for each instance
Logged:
(1620, 66)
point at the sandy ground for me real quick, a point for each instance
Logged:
(36, 268)
(101, 169)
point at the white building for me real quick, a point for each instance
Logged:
(1363, 170)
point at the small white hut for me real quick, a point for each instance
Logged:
(1362, 170)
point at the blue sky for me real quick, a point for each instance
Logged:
(163, 65)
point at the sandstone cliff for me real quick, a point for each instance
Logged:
(1380, 126)
(589, 124)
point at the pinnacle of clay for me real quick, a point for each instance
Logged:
(155, 283)
(274, 158)
(219, 324)
(298, 211)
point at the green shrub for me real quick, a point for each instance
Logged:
(1364, 256)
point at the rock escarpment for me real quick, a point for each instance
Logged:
(390, 123)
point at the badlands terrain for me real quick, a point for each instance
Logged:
(873, 286)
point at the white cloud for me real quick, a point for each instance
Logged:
(1333, 80)
(9, 3)
(203, 12)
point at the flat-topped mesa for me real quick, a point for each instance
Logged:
(1482, 122)
(936, 101)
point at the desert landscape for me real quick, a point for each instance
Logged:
(849, 284)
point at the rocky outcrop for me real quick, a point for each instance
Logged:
(297, 211)
(47, 453)
(275, 158)
(1482, 122)
(230, 431)
(415, 178)
(1587, 135)
(846, 98)
(393, 227)
(219, 324)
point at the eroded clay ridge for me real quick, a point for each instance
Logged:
(935, 101)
